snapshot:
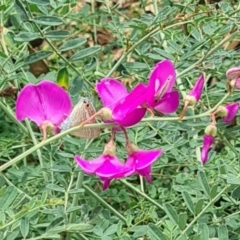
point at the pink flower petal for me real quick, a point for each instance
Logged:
(111, 167)
(90, 166)
(145, 158)
(169, 103)
(132, 118)
(162, 78)
(106, 183)
(232, 110)
(44, 101)
(126, 111)
(110, 91)
(198, 88)
(207, 142)
(145, 172)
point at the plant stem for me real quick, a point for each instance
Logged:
(39, 154)
(12, 117)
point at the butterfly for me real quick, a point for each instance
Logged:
(81, 112)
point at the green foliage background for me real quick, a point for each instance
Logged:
(44, 195)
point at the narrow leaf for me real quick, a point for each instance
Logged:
(48, 20)
(204, 183)
(73, 43)
(24, 227)
(37, 56)
(223, 232)
(182, 220)
(8, 197)
(188, 201)
(55, 187)
(57, 34)
(85, 53)
(154, 233)
(26, 36)
(172, 214)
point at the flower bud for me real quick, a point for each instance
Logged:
(196, 92)
(106, 114)
(211, 130)
(110, 149)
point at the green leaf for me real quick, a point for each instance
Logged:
(57, 34)
(62, 78)
(44, 197)
(204, 182)
(24, 227)
(213, 191)
(76, 86)
(203, 229)
(198, 206)
(39, 2)
(163, 53)
(55, 187)
(12, 235)
(135, 65)
(154, 233)
(188, 201)
(85, 53)
(54, 223)
(37, 56)
(8, 197)
(48, 20)
(236, 193)
(73, 43)
(182, 220)
(26, 36)
(73, 209)
(222, 232)
(232, 179)
(76, 190)
(61, 168)
(119, 228)
(72, 227)
(172, 214)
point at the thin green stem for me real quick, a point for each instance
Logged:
(104, 203)
(39, 154)
(142, 194)
(203, 211)
(12, 117)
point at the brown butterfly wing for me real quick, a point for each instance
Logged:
(82, 111)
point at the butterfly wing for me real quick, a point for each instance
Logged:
(81, 112)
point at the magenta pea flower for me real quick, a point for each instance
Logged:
(140, 161)
(107, 167)
(45, 103)
(119, 106)
(233, 76)
(160, 95)
(227, 112)
(193, 96)
(208, 139)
